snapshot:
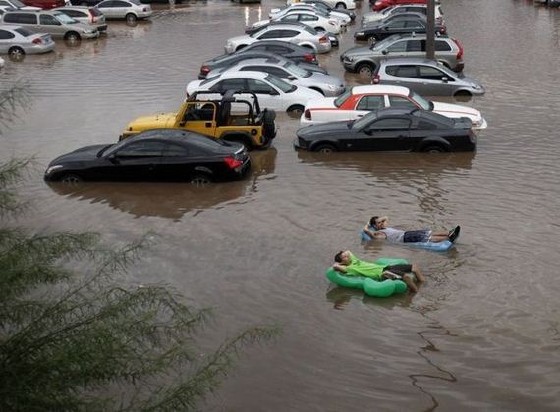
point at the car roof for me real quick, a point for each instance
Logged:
(274, 42)
(243, 75)
(380, 88)
(273, 60)
(82, 8)
(409, 60)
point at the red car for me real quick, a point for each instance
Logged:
(44, 4)
(382, 4)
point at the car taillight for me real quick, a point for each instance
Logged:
(307, 114)
(375, 79)
(310, 58)
(324, 39)
(37, 41)
(232, 163)
(204, 70)
(461, 49)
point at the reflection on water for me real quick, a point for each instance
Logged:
(168, 200)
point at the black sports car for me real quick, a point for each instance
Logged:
(391, 129)
(155, 155)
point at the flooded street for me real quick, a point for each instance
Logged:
(483, 333)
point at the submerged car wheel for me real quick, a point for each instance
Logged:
(131, 18)
(72, 38)
(434, 148)
(365, 70)
(200, 180)
(16, 54)
(71, 179)
(296, 110)
(325, 148)
(463, 95)
(340, 5)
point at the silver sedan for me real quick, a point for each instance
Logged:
(17, 41)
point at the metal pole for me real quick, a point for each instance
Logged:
(430, 29)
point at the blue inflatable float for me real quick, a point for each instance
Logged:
(437, 246)
(370, 286)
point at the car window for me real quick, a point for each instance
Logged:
(118, 3)
(401, 102)
(442, 45)
(73, 13)
(4, 35)
(266, 69)
(277, 49)
(396, 123)
(142, 148)
(281, 84)
(20, 18)
(403, 71)
(64, 18)
(258, 86)
(24, 32)
(290, 18)
(48, 20)
(370, 103)
(308, 17)
(432, 73)
(413, 24)
(397, 24)
(229, 84)
(397, 47)
(175, 150)
(415, 45)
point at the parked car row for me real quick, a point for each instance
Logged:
(70, 23)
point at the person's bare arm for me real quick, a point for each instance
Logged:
(339, 268)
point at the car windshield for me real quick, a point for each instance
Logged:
(137, 2)
(296, 70)
(342, 98)
(106, 150)
(380, 45)
(281, 84)
(424, 103)
(64, 18)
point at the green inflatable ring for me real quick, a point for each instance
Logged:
(370, 286)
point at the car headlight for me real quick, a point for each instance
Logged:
(348, 59)
(51, 169)
(359, 34)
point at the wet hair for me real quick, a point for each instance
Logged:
(338, 257)
(373, 220)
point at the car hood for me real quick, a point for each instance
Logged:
(358, 51)
(456, 110)
(79, 155)
(193, 86)
(154, 121)
(324, 129)
(322, 103)
(325, 79)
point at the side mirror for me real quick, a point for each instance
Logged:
(384, 52)
(445, 79)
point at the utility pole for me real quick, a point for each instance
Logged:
(431, 29)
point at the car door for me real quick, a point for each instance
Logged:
(385, 134)
(368, 103)
(276, 71)
(112, 8)
(136, 161)
(435, 82)
(52, 25)
(199, 117)
(6, 40)
(178, 162)
(267, 95)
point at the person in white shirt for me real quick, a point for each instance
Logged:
(378, 228)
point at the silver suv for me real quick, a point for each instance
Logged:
(426, 77)
(364, 60)
(56, 23)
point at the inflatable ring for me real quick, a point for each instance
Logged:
(370, 286)
(436, 246)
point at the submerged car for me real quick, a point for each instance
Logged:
(156, 155)
(360, 100)
(129, 10)
(399, 24)
(426, 77)
(390, 129)
(18, 41)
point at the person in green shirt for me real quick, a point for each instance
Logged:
(346, 262)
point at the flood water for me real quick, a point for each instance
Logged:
(483, 333)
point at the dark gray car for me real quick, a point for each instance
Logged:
(426, 77)
(364, 60)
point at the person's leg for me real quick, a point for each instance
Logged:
(439, 237)
(410, 283)
(418, 273)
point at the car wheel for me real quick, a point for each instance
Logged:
(200, 180)
(340, 5)
(71, 179)
(325, 148)
(131, 18)
(434, 148)
(318, 90)
(269, 126)
(365, 70)
(72, 38)
(463, 95)
(16, 54)
(371, 40)
(296, 110)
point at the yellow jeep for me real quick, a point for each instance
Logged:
(232, 116)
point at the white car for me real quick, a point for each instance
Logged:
(271, 91)
(313, 18)
(345, 19)
(129, 10)
(298, 34)
(17, 41)
(360, 100)
(288, 71)
(337, 4)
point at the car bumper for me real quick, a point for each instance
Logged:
(93, 35)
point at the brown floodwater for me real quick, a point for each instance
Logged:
(483, 331)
